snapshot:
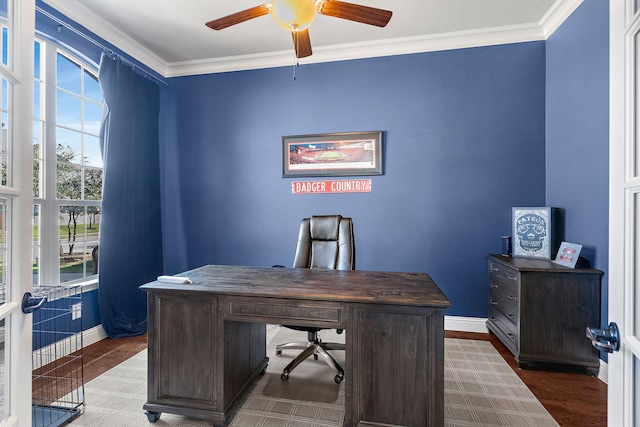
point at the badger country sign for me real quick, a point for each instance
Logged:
(332, 186)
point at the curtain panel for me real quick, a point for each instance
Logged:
(130, 228)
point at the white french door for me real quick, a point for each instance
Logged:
(16, 208)
(624, 212)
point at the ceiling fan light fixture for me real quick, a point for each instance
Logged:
(294, 15)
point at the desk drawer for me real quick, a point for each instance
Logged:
(290, 312)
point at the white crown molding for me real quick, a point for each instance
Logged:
(552, 20)
(79, 13)
(343, 52)
(557, 14)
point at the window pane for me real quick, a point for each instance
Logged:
(3, 248)
(69, 185)
(69, 149)
(37, 158)
(37, 178)
(36, 244)
(5, 41)
(68, 110)
(5, 94)
(4, 153)
(93, 228)
(37, 62)
(37, 105)
(68, 74)
(78, 237)
(92, 87)
(92, 117)
(92, 154)
(93, 184)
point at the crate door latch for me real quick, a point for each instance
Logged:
(31, 303)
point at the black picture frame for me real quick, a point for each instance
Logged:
(332, 154)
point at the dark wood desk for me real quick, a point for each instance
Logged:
(207, 340)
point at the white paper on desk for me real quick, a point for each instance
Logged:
(173, 279)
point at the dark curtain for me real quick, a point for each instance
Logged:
(130, 223)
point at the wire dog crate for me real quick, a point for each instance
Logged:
(58, 377)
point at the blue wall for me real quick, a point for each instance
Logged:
(578, 131)
(463, 143)
(468, 134)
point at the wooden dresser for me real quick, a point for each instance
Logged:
(539, 310)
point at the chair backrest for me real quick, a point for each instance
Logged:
(326, 241)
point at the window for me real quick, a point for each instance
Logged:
(67, 171)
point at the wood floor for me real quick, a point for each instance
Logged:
(572, 398)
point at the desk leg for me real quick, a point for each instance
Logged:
(397, 359)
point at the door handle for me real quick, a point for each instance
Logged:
(605, 339)
(31, 303)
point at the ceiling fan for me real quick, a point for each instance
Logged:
(296, 16)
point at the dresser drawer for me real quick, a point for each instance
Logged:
(508, 295)
(504, 282)
(503, 274)
(508, 310)
(504, 324)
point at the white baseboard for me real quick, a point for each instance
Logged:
(603, 373)
(93, 335)
(466, 324)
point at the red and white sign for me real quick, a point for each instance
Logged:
(336, 186)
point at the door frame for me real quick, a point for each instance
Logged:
(18, 331)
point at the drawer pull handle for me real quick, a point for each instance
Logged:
(493, 286)
(492, 318)
(511, 278)
(511, 337)
(511, 297)
(511, 316)
(492, 268)
(493, 302)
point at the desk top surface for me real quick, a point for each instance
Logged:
(361, 286)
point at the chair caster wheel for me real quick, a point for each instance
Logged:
(278, 352)
(284, 377)
(153, 416)
(338, 378)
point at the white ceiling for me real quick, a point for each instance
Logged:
(170, 36)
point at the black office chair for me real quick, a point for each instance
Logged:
(323, 242)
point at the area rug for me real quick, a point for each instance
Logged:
(480, 390)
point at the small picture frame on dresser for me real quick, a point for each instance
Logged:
(568, 254)
(537, 232)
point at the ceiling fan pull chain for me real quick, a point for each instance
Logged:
(296, 64)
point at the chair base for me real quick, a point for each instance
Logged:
(313, 347)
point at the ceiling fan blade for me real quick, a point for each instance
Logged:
(355, 12)
(302, 43)
(238, 17)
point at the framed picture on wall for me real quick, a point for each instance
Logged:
(332, 154)
(537, 232)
